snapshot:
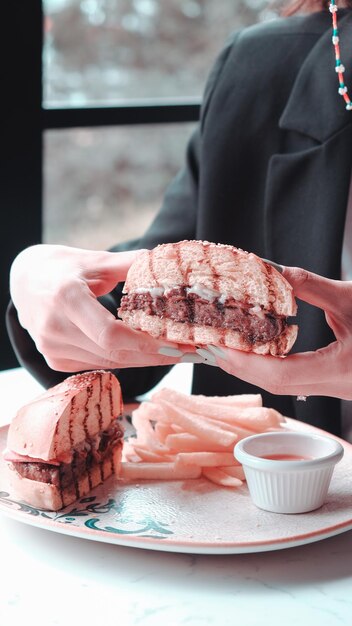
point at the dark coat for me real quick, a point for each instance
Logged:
(267, 170)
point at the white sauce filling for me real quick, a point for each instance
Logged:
(154, 291)
(203, 292)
(198, 289)
(257, 310)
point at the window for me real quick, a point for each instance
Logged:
(104, 63)
(108, 51)
(105, 185)
(102, 186)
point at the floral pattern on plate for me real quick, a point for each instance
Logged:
(193, 516)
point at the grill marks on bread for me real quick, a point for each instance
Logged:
(95, 471)
(181, 268)
(92, 463)
(71, 438)
(86, 413)
(239, 280)
(182, 305)
(73, 429)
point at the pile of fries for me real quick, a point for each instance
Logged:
(178, 437)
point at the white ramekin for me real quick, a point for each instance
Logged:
(288, 486)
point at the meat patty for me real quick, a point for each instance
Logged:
(180, 305)
(90, 453)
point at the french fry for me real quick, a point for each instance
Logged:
(233, 470)
(143, 427)
(145, 432)
(186, 442)
(180, 437)
(191, 402)
(198, 426)
(152, 456)
(149, 411)
(255, 418)
(240, 400)
(158, 471)
(219, 477)
(162, 431)
(129, 454)
(250, 419)
(204, 459)
(235, 428)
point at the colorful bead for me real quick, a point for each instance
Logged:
(339, 66)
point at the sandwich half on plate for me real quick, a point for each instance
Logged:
(200, 293)
(67, 441)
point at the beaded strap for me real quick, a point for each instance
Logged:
(339, 66)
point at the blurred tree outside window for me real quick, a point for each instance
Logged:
(105, 185)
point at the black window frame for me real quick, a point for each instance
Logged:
(24, 123)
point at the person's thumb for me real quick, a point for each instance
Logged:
(322, 292)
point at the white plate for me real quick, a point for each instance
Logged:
(192, 516)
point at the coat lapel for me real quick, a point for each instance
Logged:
(308, 181)
(307, 189)
(314, 107)
(305, 205)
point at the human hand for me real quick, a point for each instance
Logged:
(55, 289)
(325, 372)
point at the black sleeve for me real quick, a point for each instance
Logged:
(176, 220)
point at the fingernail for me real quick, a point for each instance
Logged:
(192, 358)
(278, 267)
(208, 356)
(166, 351)
(217, 351)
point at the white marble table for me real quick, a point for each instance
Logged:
(50, 579)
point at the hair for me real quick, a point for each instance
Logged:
(293, 6)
